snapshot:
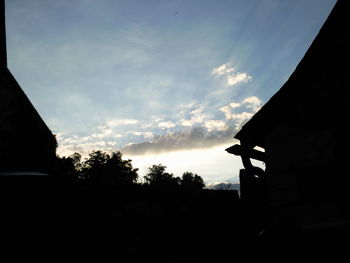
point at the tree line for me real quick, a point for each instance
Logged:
(102, 168)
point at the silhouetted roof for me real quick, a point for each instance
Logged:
(3, 53)
(283, 104)
(26, 143)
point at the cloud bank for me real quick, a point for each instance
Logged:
(193, 128)
(195, 138)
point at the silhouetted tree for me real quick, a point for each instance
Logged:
(156, 176)
(192, 181)
(68, 166)
(108, 169)
(76, 159)
(123, 168)
(94, 165)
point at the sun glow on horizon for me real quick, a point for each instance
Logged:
(214, 165)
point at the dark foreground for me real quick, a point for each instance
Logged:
(54, 220)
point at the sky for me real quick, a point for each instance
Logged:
(162, 81)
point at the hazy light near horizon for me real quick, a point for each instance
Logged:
(214, 165)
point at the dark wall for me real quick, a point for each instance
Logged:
(307, 141)
(26, 143)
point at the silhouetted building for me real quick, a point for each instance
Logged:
(26, 143)
(303, 130)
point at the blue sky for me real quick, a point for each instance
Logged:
(164, 81)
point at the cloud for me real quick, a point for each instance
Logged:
(84, 148)
(223, 70)
(186, 123)
(105, 137)
(120, 122)
(198, 131)
(241, 112)
(218, 125)
(234, 105)
(195, 138)
(227, 111)
(201, 132)
(253, 103)
(146, 135)
(106, 133)
(226, 71)
(235, 116)
(197, 117)
(238, 78)
(166, 124)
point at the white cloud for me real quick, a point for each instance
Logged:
(235, 116)
(136, 133)
(218, 125)
(253, 103)
(234, 105)
(120, 122)
(105, 133)
(186, 123)
(252, 100)
(103, 138)
(238, 78)
(241, 117)
(197, 111)
(146, 135)
(166, 124)
(227, 111)
(156, 118)
(197, 117)
(223, 70)
(227, 72)
(241, 112)
(84, 148)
